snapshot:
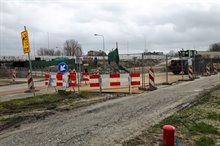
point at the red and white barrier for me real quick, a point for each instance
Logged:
(13, 75)
(215, 69)
(47, 79)
(85, 77)
(135, 79)
(30, 80)
(190, 72)
(72, 79)
(207, 70)
(94, 80)
(114, 80)
(151, 78)
(57, 80)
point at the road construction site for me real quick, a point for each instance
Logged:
(106, 105)
(111, 122)
(11, 90)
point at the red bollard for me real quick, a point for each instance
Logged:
(168, 135)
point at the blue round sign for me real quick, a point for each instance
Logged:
(62, 67)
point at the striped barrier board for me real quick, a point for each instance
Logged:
(208, 70)
(13, 75)
(47, 79)
(30, 80)
(114, 80)
(134, 79)
(72, 79)
(151, 78)
(56, 80)
(59, 77)
(215, 69)
(190, 72)
(94, 80)
(85, 76)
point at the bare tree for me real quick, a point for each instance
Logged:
(172, 53)
(57, 53)
(214, 47)
(48, 52)
(40, 52)
(72, 47)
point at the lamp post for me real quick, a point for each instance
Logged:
(61, 48)
(103, 48)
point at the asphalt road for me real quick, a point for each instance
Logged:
(16, 91)
(108, 123)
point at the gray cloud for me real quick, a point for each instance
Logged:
(170, 25)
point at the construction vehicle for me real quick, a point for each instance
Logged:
(180, 65)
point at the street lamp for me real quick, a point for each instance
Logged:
(61, 48)
(103, 48)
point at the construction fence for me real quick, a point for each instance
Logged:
(134, 72)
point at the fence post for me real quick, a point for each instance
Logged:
(100, 84)
(143, 74)
(78, 80)
(129, 81)
(13, 75)
(166, 69)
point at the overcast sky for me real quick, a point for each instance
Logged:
(136, 25)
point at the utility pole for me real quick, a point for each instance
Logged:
(166, 69)
(48, 42)
(143, 74)
(181, 57)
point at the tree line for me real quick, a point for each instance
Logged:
(73, 48)
(70, 48)
(214, 47)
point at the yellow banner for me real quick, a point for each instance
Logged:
(25, 42)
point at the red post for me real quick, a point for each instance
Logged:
(168, 135)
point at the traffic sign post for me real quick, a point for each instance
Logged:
(78, 62)
(26, 49)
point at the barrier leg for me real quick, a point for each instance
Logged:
(129, 87)
(100, 85)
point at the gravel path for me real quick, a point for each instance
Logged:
(109, 123)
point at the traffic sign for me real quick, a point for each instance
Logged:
(78, 60)
(62, 67)
(78, 52)
(190, 61)
(25, 42)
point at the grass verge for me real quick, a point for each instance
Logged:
(15, 112)
(195, 126)
(50, 101)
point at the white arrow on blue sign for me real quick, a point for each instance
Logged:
(62, 67)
